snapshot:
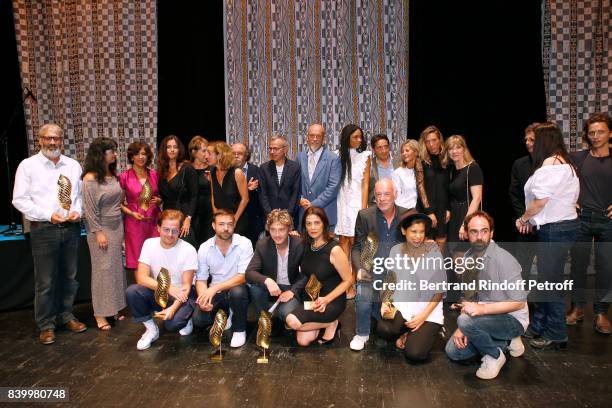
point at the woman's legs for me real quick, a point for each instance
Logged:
(308, 332)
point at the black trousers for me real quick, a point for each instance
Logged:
(418, 343)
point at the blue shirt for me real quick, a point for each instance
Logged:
(211, 261)
(388, 235)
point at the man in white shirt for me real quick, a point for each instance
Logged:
(54, 230)
(181, 260)
(224, 259)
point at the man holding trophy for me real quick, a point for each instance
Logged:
(375, 226)
(48, 193)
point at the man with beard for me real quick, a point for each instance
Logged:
(224, 258)
(493, 320)
(48, 193)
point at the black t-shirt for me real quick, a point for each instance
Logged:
(595, 183)
(459, 181)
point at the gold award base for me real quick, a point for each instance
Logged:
(217, 356)
(262, 359)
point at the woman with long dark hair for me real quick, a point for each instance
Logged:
(354, 182)
(324, 259)
(102, 198)
(199, 154)
(141, 205)
(229, 186)
(178, 183)
(432, 152)
(551, 194)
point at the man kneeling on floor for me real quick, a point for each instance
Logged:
(492, 321)
(224, 258)
(181, 260)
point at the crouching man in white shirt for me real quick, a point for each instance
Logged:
(181, 260)
(224, 259)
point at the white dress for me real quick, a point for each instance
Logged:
(349, 197)
(405, 182)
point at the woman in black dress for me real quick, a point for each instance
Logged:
(229, 186)
(178, 183)
(432, 152)
(202, 224)
(323, 257)
(465, 190)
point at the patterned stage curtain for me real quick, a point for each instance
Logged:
(577, 38)
(92, 65)
(292, 63)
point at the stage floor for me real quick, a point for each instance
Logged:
(104, 369)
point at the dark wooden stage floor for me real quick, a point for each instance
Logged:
(104, 369)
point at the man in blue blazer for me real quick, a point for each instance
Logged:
(320, 175)
(279, 180)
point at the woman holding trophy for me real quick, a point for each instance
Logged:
(141, 205)
(411, 316)
(329, 276)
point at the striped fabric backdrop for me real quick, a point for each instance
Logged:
(577, 59)
(92, 65)
(334, 62)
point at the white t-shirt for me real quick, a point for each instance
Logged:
(405, 182)
(559, 183)
(178, 259)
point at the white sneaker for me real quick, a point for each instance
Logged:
(490, 366)
(238, 339)
(188, 329)
(516, 348)
(359, 342)
(148, 337)
(229, 321)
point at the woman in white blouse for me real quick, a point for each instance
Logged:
(409, 180)
(551, 194)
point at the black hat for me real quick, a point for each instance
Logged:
(410, 216)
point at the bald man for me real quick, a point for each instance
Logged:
(320, 175)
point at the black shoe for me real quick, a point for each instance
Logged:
(326, 342)
(544, 344)
(529, 334)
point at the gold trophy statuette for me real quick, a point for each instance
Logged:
(386, 296)
(216, 334)
(145, 196)
(313, 287)
(64, 189)
(264, 329)
(369, 246)
(163, 284)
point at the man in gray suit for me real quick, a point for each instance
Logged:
(320, 175)
(382, 165)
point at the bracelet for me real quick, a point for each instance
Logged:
(522, 221)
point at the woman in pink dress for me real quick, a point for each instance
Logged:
(141, 206)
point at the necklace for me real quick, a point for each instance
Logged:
(317, 249)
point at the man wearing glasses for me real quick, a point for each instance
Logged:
(180, 259)
(54, 230)
(280, 180)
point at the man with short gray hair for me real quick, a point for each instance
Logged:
(48, 193)
(280, 179)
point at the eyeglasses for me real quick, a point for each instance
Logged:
(51, 138)
(170, 231)
(276, 149)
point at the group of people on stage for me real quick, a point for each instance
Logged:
(202, 214)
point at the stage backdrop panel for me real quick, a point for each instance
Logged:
(92, 65)
(577, 37)
(334, 62)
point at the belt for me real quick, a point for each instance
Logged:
(37, 224)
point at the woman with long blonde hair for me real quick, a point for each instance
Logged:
(409, 180)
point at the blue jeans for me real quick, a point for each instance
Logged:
(261, 298)
(598, 227)
(236, 298)
(367, 305)
(142, 303)
(486, 335)
(55, 252)
(554, 242)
